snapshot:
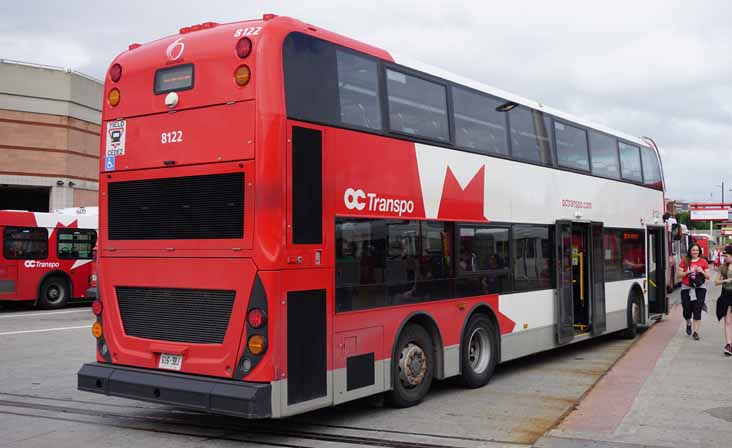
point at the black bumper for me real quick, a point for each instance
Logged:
(91, 293)
(217, 396)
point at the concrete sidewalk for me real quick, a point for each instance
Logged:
(667, 391)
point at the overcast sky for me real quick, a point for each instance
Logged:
(655, 68)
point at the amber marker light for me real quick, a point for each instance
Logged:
(242, 75)
(113, 97)
(256, 344)
(97, 330)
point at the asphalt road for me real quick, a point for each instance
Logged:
(41, 351)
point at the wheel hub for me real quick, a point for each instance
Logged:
(412, 365)
(479, 351)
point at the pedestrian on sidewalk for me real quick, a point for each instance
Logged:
(695, 272)
(724, 302)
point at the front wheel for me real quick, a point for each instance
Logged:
(478, 351)
(634, 318)
(413, 368)
(54, 293)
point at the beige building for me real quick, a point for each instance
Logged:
(49, 137)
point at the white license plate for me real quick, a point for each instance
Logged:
(170, 362)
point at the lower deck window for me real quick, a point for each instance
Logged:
(383, 262)
(25, 243)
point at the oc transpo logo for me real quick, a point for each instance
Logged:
(41, 264)
(357, 199)
(175, 50)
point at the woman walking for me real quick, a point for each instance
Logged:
(695, 271)
(724, 302)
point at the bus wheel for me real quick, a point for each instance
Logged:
(634, 318)
(478, 351)
(413, 368)
(54, 293)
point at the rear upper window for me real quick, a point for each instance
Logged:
(630, 164)
(75, 244)
(651, 168)
(358, 91)
(478, 125)
(417, 107)
(25, 243)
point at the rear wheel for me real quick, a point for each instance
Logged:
(413, 368)
(478, 351)
(54, 293)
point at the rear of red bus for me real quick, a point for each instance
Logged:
(192, 161)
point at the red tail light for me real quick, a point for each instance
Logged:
(243, 47)
(97, 307)
(115, 72)
(256, 318)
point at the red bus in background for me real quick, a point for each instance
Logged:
(47, 257)
(705, 243)
(291, 219)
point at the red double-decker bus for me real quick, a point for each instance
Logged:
(47, 257)
(291, 219)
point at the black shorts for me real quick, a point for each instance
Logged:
(723, 303)
(693, 307)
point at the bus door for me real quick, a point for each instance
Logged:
(656, 271)
(580, 280)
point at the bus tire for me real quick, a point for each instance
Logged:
(478, 351)
(633, 315)
(413, 367)
(54, 293)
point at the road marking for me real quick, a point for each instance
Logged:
(47, 313)
(45, 329)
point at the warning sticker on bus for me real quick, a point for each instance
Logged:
(116, 131)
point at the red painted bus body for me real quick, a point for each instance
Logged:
(60, 272)
(275, 344)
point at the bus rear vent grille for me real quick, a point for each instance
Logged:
(177, 208)
(179, 315)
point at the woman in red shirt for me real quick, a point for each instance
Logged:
(695, 272)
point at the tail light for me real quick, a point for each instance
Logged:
(256, 318)
(115, 73)
(243, 47)
(114, 97)
(242, 75)
(97, 307)
(93, 280)
(257, 344)
(97, 330)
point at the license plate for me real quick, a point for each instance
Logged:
(170, 362)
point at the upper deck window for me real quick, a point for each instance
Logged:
(571, 147)
(75, 244)
(530, 136)
(630, 164)
(651, 168)
(25, 243)
(477, 123)
(358, 91)
(417, 107)
(604, 152)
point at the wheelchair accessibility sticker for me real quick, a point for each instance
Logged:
(109, 163)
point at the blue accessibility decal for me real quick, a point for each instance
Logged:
(109, 163)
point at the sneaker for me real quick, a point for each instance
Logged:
(728, 350)
(688, 330)
(695, 336)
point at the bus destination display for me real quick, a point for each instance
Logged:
(174, 79)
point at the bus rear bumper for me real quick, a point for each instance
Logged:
(217, 396)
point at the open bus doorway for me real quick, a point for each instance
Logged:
(580, 280)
